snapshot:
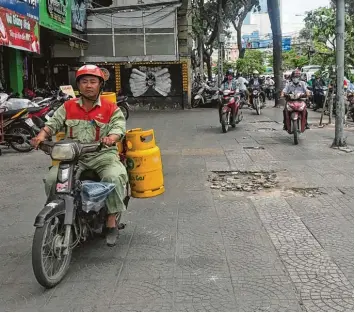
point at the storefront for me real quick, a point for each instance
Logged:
(62, 31)
(19, 33)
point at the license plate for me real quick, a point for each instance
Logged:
(29, 122)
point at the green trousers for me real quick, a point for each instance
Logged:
(110, 169)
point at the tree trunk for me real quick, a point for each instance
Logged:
(207, 59)
(274, 15)
(239, 41)
(339, 140)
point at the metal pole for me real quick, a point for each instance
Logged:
(340, 27)
(113, 37)
(220, 30)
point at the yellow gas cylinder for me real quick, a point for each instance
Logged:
(111, 96)
(144, 165)
(58, 136)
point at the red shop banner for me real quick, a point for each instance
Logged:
(18, 31)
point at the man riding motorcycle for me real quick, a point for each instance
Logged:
(229, 83)
(242, 84)
(89, 119)
(298, 87)
(256, 82)
(268, 83)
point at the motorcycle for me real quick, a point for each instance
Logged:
(230, 113)
(310, 99)
(123, 105)
(270, 92)
(204, 95)
(319, 95)
(47, 107)
(256, 103)
(74, 211)
(296, 112)
(18, 129)
(350, 98)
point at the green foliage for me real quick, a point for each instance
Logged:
(253, 60)
(321, 29)
(293, 59)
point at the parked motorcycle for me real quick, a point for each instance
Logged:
(350, 98)
(310, 100)
(47, 107)
(123, 105)
(256, 102)
(296, 115)
(74, 210)
(19, 129)
(230, 113)
(204, 95)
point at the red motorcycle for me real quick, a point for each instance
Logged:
(230, 113)
(295, 115)
(47, 107)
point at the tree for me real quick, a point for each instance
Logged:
(292, 59)
(253, 60)
(274, 15)
(321, 29)
(241, 11)
(205, 22)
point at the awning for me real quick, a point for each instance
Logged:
(133, 7)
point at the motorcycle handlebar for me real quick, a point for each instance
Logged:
(47, 146)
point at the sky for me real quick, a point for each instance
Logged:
(291, 8)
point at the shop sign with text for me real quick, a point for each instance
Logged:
(56, 15)
(78, 14)
(18, 31)
(28, 8)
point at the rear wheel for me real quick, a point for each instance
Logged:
(225, 122)
(124, 109)
(196, 103)
(295, 131)
(26, 132)
(48, 262)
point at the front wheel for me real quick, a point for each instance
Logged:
(48, 262)
(257, 106)
(295, 131)
(225, 122)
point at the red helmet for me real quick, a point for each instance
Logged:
(89, 69)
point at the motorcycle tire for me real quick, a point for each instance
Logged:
(257, 107)
(295, 131)
(124, 109)
(225, 122)
(196, 103)
(233, 122)
(27, 129)
(38, 261)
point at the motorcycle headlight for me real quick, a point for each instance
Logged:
(63, 152)
(255, 92)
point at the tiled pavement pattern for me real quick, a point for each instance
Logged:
(192, 249)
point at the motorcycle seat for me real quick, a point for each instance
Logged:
(9, 113)
(34, 109)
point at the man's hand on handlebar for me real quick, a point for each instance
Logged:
(36, 141)
(110, 140)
